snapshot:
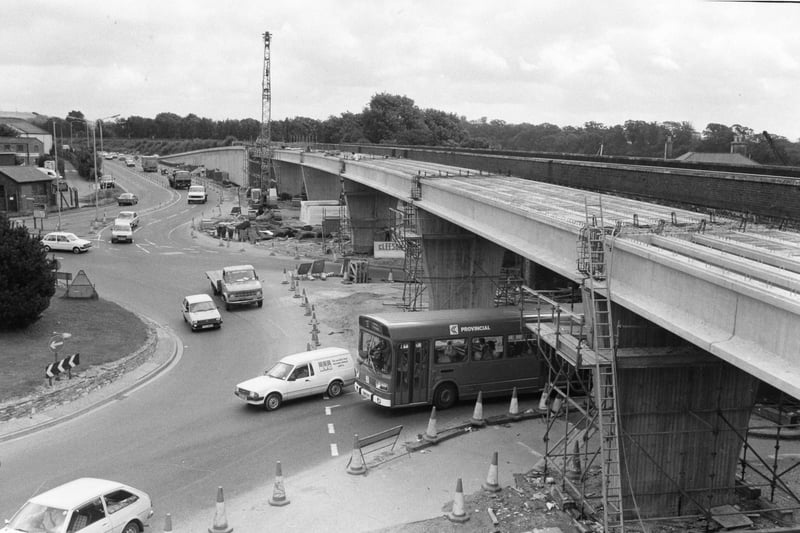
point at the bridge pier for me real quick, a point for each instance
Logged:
(370, 214)
(461, 269)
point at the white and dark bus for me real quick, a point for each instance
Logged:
(440, 357)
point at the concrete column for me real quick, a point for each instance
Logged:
(370, 215)
(320, 185)
(680, 417)
(289, 177)
(461, 268)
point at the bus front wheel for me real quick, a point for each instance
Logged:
(445, 396)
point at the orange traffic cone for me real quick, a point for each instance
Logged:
(356, 464)
(491, 484)
(278, 492)
(308, 308)
(285, 278)
(168, 523)
(313, 316)
(430, 433)
(458, 514)
(305, 299)
(391, 277)
(513, 409)
(292, 286)
(220, 520)
(297, 293)
(574, 469)
(543, 399)
(477, 414)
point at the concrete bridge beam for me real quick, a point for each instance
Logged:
(370, 215)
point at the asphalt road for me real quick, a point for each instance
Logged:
(184, 434)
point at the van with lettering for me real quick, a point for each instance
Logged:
(322, 371)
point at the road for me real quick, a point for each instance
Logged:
(183, 434)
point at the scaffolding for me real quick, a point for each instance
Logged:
(584, 440)
(408, 238)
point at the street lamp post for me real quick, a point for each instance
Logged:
(58, 182)
(100, 122)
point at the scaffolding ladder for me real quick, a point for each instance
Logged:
(593, 263)
(345, 237)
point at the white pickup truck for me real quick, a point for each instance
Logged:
(197, 193)
(237, 285)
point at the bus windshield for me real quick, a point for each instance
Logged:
(376, 353)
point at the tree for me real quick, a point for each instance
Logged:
(388, 116)
(27, 280)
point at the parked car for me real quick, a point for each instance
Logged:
(200, 312)
(127, 198)
(131, 217)
(61, 240)
(121, 231)
(113, 508)
(322, 371)
(130, 162)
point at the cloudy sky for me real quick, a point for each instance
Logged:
(564, 62)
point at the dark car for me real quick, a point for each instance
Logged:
(127, 198)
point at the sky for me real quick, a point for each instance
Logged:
(563, 62)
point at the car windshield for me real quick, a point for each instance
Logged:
(125, 215)
(279, 371)
(122, 227)
(240, 275)
(202, 306)
(37, 518)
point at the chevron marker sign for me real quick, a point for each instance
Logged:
(65, 365)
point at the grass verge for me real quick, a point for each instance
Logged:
(102, 332)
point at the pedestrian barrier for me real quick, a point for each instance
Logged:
(220, 519)
(278, 498)
(357, 464)
(458, 514)
(491, 484)
(477, 413)
(430, 434)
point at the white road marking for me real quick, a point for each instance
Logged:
(142, 248)
(334, 450)
(331, 431)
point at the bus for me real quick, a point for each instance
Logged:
(440, 357)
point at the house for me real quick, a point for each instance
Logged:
(718, 158)
(27, 130)
(26, 148)
(23, 186)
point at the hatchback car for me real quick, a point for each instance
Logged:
(60, 240)
(121, 231)
(200, 312)
(86, 504)
(127, 198)
(131, 217)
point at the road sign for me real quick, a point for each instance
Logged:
(56, 342)
(65, 365)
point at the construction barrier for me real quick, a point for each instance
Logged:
(357, 464)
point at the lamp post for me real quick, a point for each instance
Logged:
(100, 122)
(58, 182)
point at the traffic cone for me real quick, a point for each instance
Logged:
(555, 405)
(458, 514)
(477, 414)
(220, 520)
(308, 347)
(391, 277)
(168, 523)
(513, 409)
(491, 484)
(304, 303)
(278, 492)
(315, 338)
(543, 399)
(297, 293)
(574, 468)
(285, 278)
(430, 433)
(292, 287)
(313, 316)
(296, 252)
(308, 309)
(356, 464)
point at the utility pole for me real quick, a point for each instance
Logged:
(58, 181)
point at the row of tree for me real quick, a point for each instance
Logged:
(394, 119)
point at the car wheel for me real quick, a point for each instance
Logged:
(76, 250)
(47, 249)
(273, 401)
(445, 396)
(228, 306)
(113, 241)
(335, 389)
(131, 527)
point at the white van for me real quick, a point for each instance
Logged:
(121, 231)
(326, 370)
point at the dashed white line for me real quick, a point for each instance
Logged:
(334, 450)
(330, 429)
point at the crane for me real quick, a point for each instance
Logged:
(265, 139)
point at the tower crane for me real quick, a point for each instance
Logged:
(265, 139)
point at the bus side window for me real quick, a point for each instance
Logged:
(487, 348)
(449, 351)
(520, 346)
